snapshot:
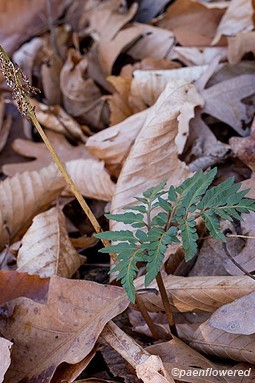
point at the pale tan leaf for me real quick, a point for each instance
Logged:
(198, 293)
(236, 317)
(237, 18)
(239, 45)
(56, 119)
(154, 155)
(215, 342)
(46, 248)
(63, 329)
(5, 357)
(38, 150)
(147, 85)
(112, 145)
(24, 196)
(91, 178)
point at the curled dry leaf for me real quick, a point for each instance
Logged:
(5, 357)
(91, 178)
(56, 119)
(38, 150)
(63, 329)
(112, 145)
(46, 248)
(154, 155)
(236, 317)
(80, 93)
(197, 293)
(24, 196)
(237, 18)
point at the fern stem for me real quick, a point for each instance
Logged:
(141, 307)
(166, 304)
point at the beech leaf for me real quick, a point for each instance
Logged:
(46, 248)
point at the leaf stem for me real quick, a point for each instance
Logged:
(166, 304)
(141, 307)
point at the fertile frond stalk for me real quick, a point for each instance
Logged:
(20, 87)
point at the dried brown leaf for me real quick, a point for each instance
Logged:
(230, 93)
(178, 357)
(56, 119)
(22, 285)
(215, 342)
(118, 101)
(193, 23)
(198, 293)
(236, 317)
(46, 249)
(24, 196)
(80, 93)
(64, 329)
(26, 19)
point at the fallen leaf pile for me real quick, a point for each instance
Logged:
(131, 93)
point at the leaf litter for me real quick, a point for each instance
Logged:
(132, 94)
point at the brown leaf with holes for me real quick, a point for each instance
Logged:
(46, 249)
(63, 329)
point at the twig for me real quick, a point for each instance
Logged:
(225, 232)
